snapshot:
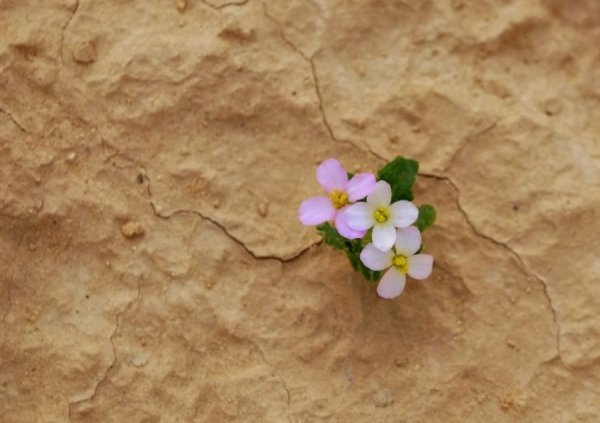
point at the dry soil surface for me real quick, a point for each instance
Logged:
(152, 159)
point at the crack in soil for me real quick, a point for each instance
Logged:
(316, 84)
(64, 30)
(508, 249)
(226, 232)
(11, 277)
(118, 322)
(224, 5)
(17, 124)
(278, 376)
(116, 153)
(466, 143)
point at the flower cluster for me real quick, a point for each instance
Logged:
(381, 233)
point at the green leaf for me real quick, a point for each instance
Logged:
(332, 237)
(352, 248)
(367, 239)
(400, 173)
(426, 217)
(354, 257)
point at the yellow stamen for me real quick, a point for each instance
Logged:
(338, 198)
(381, 215)
(401, 263)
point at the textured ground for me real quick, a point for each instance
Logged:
(152, 158)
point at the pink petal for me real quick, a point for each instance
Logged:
(331, 175)
(404, 213)
(408, 241)
(384, 235)
(420, 266)
(360, 216)
(375, 259)
(360, 186)
(392, 284)
(341, 224)
(316, 210)
(381, 195)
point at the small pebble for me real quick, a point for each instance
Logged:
(263, 208)
(85, 52)
(132, 230)
(139, 359)
(401, 362)
(181, 5)
(384, 398)
(71, 156)
(552, 107)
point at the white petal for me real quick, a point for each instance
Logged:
(381, 195)
(408, 241)
(384, 235)
(404, 213)
(420, 266)
(375, 259)
(360, 216)
(392, 284)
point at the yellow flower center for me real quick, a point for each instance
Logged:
(381, 215)
(401, 263)
(338, 198)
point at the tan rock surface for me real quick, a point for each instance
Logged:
(195, 126)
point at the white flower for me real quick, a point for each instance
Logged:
(383, 217)
(400, 262)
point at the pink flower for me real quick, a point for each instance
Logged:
(340, 193)
(400, 262)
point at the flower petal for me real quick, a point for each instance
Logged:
(360, 216)
(375, 259)
(384, 235)
(404, 213)
(381, 195)
(360, 186)
(392, 284)
(408, 241)
(332, 175)
(316, 210)
(420, 266)
(341, 224)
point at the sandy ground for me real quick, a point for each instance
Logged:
(152, 159)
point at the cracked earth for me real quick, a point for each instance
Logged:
(152, 158)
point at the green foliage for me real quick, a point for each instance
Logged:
(426, 217)
(352, 248)
(400, 173)
(332, 237)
